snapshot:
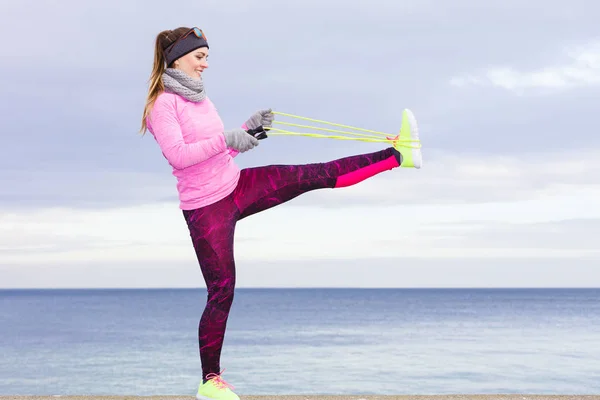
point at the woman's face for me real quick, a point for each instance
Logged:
(193, 63)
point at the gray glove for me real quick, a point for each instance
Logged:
(240, 140)
(262, 118)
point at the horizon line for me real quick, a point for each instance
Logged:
(313, 288)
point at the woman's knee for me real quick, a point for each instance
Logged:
(221, 293)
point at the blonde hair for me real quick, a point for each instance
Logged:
(163, 40)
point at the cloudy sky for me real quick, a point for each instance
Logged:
(506, 93)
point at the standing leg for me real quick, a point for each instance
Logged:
(212, 233)
(265, 187)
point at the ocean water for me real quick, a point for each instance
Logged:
(304, 341)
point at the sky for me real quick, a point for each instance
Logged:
(505, 94)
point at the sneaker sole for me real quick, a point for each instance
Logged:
(413, 136)
(199, 397)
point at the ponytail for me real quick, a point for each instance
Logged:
(163, 40)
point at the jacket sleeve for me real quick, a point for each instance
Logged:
(167, 132)
(233, 152)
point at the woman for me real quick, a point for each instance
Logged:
(214, 193)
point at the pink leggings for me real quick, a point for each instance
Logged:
(212, 228)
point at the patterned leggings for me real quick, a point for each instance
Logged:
(212, 228)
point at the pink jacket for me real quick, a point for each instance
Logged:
(190, 136)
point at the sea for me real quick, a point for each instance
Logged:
(303, 341)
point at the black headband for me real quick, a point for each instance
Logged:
(182, 47)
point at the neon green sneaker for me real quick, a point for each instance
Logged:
(408, 142)
(215, 388)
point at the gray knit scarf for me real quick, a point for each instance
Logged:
(178, 82)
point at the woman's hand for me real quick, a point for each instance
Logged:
(240, 140)
(262, 118)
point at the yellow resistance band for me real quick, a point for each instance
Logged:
(362, 137)
(276, 131)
